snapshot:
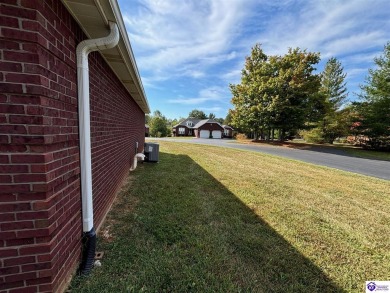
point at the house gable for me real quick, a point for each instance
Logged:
(189, 122)
(208, 124)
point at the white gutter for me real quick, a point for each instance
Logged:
(82, 51)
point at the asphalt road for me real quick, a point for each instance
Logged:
(334, 158)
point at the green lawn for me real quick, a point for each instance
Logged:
(208, 219)
(347, 148)
(368, 154)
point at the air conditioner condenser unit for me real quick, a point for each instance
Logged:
(151, 151)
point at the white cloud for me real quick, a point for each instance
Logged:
(329, 27)
(356, 72)
(361, 58)
(182, 45)
(219, 58)
(232, 76)
(194, 73)
(172, 33)
(211, 109)
(211, 94)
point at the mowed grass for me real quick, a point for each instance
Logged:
(208, 219)
(369, 154)
(347, 148)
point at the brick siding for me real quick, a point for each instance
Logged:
(210, 127)
(40, 207)
(186, 131)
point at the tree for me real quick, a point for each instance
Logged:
(228, 119)
(147, 119)
(212, 116)
(250, 96)
(158, 125)
(333, 84)
(297, 101)
(339, 126)
(334, 91)
(276, 92)
(220, 120)
(197, 114)
(374, 108)
(176, 121)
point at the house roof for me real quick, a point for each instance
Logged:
(227, 126)
(203, 122)
(190, 119)
(196, 122)
(93, 17)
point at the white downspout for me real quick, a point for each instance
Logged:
(136, 157)
(82, 51)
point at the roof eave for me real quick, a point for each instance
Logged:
(93, 20)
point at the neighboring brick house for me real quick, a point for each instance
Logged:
(147, 129)
(186, 127)
(40, 206)
(201, 128)
(228, 131)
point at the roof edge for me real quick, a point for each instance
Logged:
(109, 9)
(125, 36)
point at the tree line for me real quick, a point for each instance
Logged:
(280, 97)
(160, 126)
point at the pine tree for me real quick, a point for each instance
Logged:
(375, 107)
(333, 84)
(333, 87)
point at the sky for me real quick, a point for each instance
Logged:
(189, 51)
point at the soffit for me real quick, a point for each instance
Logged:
(93, 17)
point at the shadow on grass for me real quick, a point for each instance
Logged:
(177, 229)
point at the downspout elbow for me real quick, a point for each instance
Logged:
(136, 157)
(87, 46)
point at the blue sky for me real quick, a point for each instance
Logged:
(189, 51)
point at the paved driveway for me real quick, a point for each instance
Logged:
(334, 158)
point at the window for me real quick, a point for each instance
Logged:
(190, 124)
(182, 130)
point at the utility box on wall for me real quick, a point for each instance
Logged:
(151, 151)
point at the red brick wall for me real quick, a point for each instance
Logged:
(186, 131)
(117, 123)
(40, 209)
(211, 126)
(229, 132)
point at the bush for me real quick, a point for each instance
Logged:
(378, 143)
(343, 140)
(314, 135)
(241, 136)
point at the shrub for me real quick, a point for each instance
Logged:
(241, 136)
(314, 135)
